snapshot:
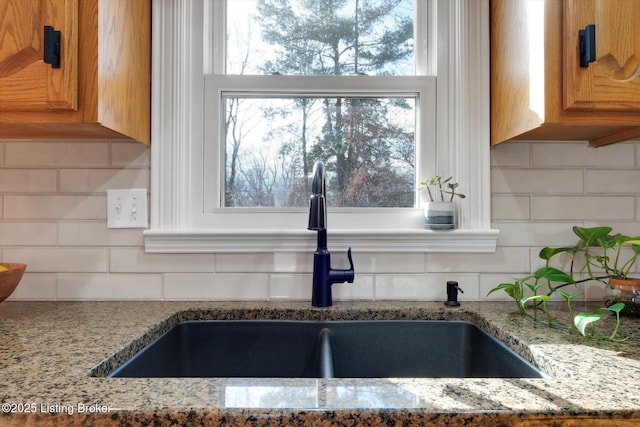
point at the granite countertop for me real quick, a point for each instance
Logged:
(50, 352)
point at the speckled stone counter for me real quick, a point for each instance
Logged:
(50, 353)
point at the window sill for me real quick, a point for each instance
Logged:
(252, 241)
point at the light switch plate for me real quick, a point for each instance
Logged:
(127, 208)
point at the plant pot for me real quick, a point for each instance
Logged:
(626, 291)
(440, 215)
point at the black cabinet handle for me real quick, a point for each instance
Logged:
(51, 53)
(587, 38)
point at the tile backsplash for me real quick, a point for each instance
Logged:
(53, 218)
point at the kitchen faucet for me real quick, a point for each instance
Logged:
(323, 275)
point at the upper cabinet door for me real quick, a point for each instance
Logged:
(612, 81)
(27, 83)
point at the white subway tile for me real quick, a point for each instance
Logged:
(28, 180)
(362, 288)
(534, 234)
(96, 233)
(510, 207)
(405, 287)
(127, 155)
(291, 262)
(22, 233)
(610, 181)
(290, 286)
(577, 208)
(1, 153)
(429, 287)
(386, 262)
(216, 286)
(513, 154)
(49, 153)
(109, 286)
(244, 263)
(580, 154)
(135, 260)
(66, 260)
(537, 181)
(36, 286)
(101, 180)
(55, 207)
(504, 260)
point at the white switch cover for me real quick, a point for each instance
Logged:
(127, 208)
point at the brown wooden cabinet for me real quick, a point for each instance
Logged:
(27, 83)
(102, 89)
(612, 82)
(538, 88)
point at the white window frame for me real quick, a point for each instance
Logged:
(185, 214)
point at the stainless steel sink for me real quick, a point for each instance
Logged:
(315, 349)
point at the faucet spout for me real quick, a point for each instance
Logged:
(317, 201)
(323, 275)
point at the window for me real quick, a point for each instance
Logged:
(364, 129)
(310, 37)
(271, 140)
(367, 144)
(203, 201)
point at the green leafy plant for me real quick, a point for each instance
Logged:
(602, 254)
(437, 186)
(609, 262)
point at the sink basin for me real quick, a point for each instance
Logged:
(316, 349)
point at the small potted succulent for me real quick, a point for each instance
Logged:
(440, 209)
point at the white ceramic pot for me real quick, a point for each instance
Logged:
(440, 215)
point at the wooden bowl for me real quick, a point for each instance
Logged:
(9, 279)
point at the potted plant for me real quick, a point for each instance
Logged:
(440, 209)
(604, 261)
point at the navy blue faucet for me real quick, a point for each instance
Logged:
(323, 275)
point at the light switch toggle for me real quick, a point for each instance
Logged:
(127, 208)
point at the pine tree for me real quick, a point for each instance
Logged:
(360, 145)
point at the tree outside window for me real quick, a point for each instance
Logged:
(367, 142)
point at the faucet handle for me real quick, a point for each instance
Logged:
(341, 276)
(350, 272)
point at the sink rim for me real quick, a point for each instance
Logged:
(121, 356)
